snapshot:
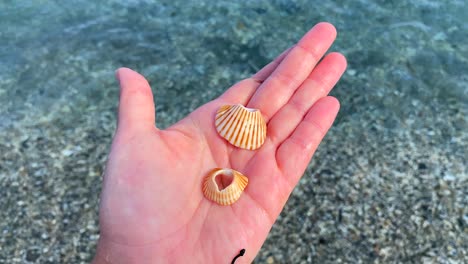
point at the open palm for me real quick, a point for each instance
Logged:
(152, 206)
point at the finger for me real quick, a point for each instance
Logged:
(294, 153)
(241, 92)
(136, 106)
(276, 171)
(293, 70)
(317, 85)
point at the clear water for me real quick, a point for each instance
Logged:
(404, 105)
(53, 52)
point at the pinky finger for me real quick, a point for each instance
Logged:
(293, 155)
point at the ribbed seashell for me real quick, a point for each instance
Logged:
(228, 195)
(242, 127)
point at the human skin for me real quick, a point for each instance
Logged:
(152, 207)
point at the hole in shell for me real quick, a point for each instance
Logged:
(223, 180)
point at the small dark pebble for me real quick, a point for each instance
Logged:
(422, 166)
(32, 254)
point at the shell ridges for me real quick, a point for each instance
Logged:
(242, 127)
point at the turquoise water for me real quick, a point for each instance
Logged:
(55, 51)
(400, 140)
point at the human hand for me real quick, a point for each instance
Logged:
(152, 206)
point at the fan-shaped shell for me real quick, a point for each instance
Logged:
(242, 127)
(228, 195)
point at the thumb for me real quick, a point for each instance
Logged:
(136, 105)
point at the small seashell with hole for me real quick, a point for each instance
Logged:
(231, 193)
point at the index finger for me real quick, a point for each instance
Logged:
(241, 92)
(293, 70)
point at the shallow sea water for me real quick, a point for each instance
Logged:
(388, 184)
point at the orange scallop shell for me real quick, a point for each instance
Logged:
(228, 195)
(242, 127)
